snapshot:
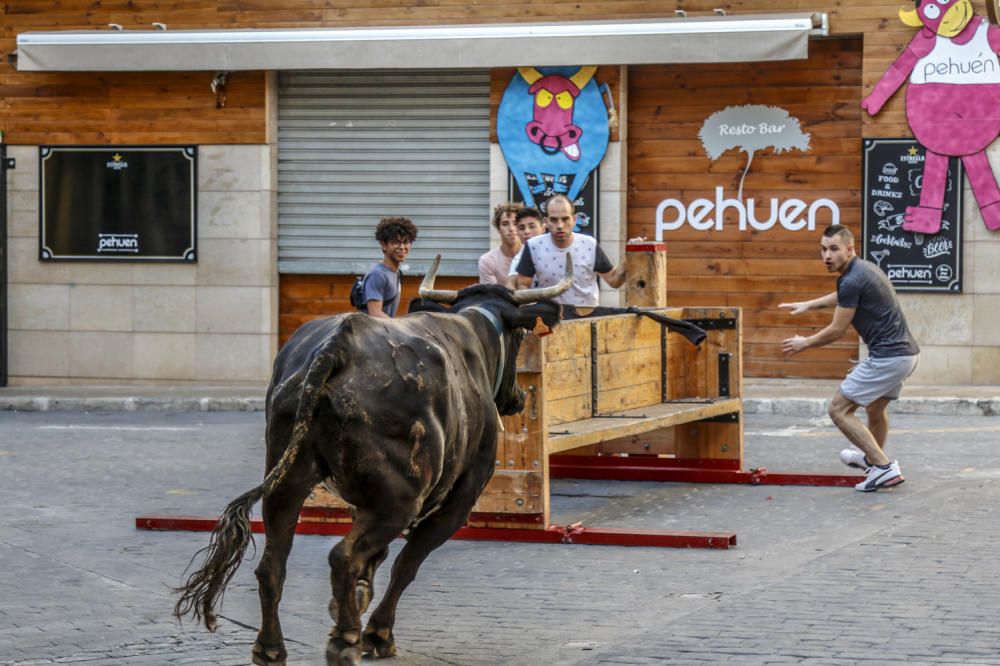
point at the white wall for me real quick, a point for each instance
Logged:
(959, 334)
(212, 322)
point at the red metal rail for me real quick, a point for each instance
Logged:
(571, 534)
(651, 468)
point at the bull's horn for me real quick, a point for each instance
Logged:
(427, 289)
(529, 74)
(583, 76)
(537, 294)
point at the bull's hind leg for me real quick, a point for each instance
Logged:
(352, 561)
(366, 584)
(421, 541)
(281, 514)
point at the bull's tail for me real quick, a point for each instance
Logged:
(227, 548)
(205, 587)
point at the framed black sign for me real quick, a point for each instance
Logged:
(585, 203)
(893, 170)
(118, 203)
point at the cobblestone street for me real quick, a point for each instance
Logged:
(819, 576)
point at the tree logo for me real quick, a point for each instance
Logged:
(751, 127)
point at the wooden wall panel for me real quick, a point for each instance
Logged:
(88, 108)
(755, 270)
(302, 298)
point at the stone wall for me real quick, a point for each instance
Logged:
(959, 334)
(212, 322)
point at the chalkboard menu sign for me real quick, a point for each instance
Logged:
(124, 203)
(585, 204)
(893, 169)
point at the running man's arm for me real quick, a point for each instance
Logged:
(834, 331)
(828, 301)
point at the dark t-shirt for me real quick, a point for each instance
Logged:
(382, 284)
(878, 318)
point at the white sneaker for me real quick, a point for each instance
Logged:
(854, 458)
(878, 477)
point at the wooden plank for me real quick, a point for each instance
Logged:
(621, 399)
(320, 497)
(654, 443)
(622, 333)
(566, 410)
(568, 378)
(627, 369)
(512, 491)
(637, 421)
(709, 441)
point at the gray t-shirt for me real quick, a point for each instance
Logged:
(382, 284)
(878, 318)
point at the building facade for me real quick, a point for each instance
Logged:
(295, 165)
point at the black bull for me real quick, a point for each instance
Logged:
(401, 418)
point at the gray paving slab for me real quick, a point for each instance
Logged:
(820, 575)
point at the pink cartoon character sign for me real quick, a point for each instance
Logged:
(952, 103)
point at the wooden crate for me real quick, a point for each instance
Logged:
(596, 387)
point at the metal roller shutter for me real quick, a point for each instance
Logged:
(356, 146)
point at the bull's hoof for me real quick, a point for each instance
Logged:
(379, 643)
(339, 654)
(269, 656)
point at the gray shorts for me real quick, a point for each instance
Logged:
(875, 378)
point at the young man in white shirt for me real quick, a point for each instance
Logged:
(544, 258)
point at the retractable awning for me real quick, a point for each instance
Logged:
(675, 40)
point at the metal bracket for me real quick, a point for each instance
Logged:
(594, 381)
(724, 358)
(619, 416)
(714, 323)
(9, 163)
(733, 417)
(663, 364)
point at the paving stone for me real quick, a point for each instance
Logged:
(82, 586)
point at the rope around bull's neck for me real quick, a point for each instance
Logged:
(492, 318)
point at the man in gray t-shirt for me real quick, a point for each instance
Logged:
(865, 299)
(382, 283)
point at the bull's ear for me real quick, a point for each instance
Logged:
(542, 313)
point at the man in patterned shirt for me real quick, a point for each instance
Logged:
(544, 258)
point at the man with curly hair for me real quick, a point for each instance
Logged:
(382, 283)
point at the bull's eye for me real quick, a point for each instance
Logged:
(932, 11)
(543, 98)
(564, 100)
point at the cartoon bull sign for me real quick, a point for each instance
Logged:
(552, 122)
(952, 103)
